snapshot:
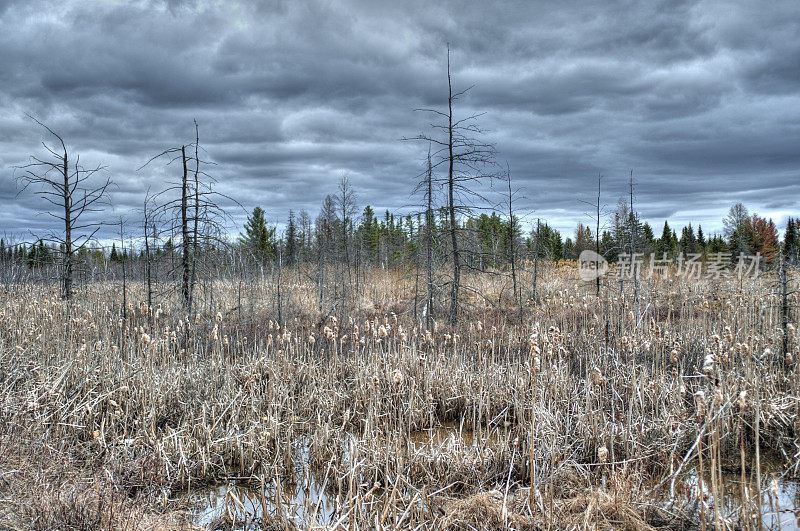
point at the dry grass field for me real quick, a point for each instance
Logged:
(571, 416)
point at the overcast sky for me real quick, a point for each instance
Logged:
(700, 99)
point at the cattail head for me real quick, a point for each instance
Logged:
(742, 399)
(718, 397)
(700, 404)
(602, 454)
(708, 363)
(397, 377)
(673, 356)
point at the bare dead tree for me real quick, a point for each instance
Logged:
(466, 159)
(425, 187)
(195, 214)
(536, 260)
(63, 183)
(512, 224)
(124, 271)
(633, 230)
(345, 201)
(597, 207)
(597, 237)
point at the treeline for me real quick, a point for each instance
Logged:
(394, 241)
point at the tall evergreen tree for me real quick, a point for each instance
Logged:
(258, 238)
(790, 241)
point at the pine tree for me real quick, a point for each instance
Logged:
(665, 243)
(790, 242)
(258, 238)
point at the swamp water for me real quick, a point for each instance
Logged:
(307, 500)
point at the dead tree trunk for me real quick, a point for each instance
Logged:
(451, 203)
(429, 243)
(634, 265)
(597, 241)
(512, 251)
(185, 243)
(782, 276)
(66, 193)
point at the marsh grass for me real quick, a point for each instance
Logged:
(108, 422)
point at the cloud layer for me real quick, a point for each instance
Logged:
(700, 98)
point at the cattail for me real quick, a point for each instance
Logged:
(602, 454)
(145, 339)
(397, 377)
(219, 317)
(718, 397)
(700, 404)
(214, 336)
(708, 363)
(597, 375)
(673, 356)
(742, 399)
(383, 331)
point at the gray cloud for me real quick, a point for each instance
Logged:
(700, 98)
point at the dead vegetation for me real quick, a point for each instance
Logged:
(108, 422)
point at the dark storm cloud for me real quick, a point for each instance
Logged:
(699, 98)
